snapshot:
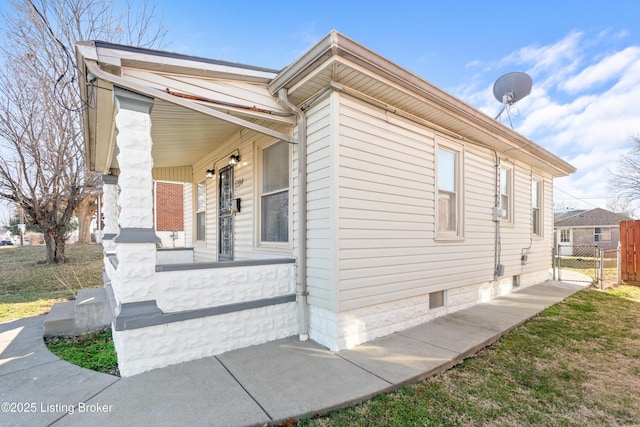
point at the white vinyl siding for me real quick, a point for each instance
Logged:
(371, 211)
(245, 231)
(173, 174)
(387, 213)
(321, 235)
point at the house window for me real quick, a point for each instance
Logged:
(602, 235)
(436, 300)
(201, 218)
(449, 195)
(536, 212)
(274, 198)
(565, 236)
(506, 192)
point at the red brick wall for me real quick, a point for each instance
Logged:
(169, 205)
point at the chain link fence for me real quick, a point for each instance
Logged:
(586, 264)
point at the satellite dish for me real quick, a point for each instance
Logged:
(511, 88)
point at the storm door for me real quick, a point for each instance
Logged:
(225, 214)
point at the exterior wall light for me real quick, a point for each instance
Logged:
(210, 173)
(234, 159)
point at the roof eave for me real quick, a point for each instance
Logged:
(337, 44)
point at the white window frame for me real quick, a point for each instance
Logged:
(458, 151)
(509, 170)
(537, 221)
(604, 235)
(201, 209)
(283, 246)
(564, 231)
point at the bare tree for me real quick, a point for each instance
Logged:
(85, 210)
(623, 206)
(42, 166)
(625, 181)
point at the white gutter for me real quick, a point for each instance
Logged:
(301, 276)
(336, 44)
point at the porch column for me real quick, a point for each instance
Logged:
(110, 212)
(136, 240)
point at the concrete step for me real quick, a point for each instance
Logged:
(61, 319)
(91, 311)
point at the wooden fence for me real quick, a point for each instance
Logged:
(630, 250)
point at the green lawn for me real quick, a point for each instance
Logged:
(575, 364)
(28, 287)
(92, 351)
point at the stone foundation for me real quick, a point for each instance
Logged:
(339, 331)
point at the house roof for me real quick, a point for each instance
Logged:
(557, 216)
(597, 217)
(338, 59)
(200, 101)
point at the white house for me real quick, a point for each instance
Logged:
(409, 204)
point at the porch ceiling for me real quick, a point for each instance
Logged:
(181, 134)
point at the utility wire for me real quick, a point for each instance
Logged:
(69, 60)
(575, 197)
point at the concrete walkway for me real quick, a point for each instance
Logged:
(258, 385)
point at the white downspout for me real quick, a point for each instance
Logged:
(301, 276)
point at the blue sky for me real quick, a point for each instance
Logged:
(583, 57)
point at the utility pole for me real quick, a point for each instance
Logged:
(21, 225)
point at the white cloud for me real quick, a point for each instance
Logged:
(565, 52)
(584, 106)
(605, 70)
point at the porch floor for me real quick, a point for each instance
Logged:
(267, 383)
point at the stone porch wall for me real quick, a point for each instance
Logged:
(189, 289)
(143, 349)
(196, 310)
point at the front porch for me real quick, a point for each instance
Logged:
(235, 285)
(203, 309)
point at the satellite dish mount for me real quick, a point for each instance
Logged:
(511, 88)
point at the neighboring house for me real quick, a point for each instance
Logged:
(169, 213)
(408, 204)
(596, 227)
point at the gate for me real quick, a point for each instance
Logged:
(581, 266)
(630, 251)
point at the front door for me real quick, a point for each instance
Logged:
(225, 214)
